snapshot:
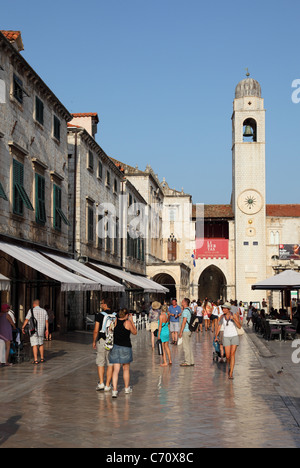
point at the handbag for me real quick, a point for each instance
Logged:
(240, 331)
(179, 342)
(159, 347)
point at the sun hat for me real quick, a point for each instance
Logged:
(156, 305)
(227, 305)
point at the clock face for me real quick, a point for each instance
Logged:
(250, 202)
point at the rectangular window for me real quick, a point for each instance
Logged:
(58, 214)
(100, 170)
(2, 193)
(56, 128)
(39, 110)
(90, 226)
(107, 178)
(115, 186)
(40, 206)
(100, 232)
(18, 89)
(20, 197)
(91, 161)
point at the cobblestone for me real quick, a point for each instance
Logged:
(55, 404)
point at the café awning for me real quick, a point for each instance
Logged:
(141, 282)
(107, 284)
(33, 259)
(288, 279)
(4, 283)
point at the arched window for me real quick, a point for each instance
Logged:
(172, 249)
(250, 130)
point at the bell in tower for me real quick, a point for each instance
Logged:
(249, 132)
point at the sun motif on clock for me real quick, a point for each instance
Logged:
(250, 202)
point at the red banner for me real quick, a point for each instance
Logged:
(212, 248)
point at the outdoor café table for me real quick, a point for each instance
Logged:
(281, 324)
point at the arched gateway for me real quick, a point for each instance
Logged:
(168, 281)
(212, 284)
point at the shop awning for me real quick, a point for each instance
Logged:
(106, 283)
(144, 283)
(4, 283)
(69, 281)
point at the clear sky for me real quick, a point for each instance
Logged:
(161, 74)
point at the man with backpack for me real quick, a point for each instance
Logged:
(186, 334)
(39, 325)
(99, 342)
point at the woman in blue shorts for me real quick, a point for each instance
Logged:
(121, 354)
(164, 335)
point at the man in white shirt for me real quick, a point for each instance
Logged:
(37, 340)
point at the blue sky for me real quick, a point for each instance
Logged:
(162, 74)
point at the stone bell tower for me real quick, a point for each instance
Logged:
(249, 188)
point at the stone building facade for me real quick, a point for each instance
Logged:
(33, 172)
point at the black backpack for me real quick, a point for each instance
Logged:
(31, 327)
(194, 322)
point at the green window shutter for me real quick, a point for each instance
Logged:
(58, 214)
(20, 197)
(40, 213)
(39, 110)
(90, 224)
(2, 193)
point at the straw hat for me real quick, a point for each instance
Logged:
(156, 305)
(227, 305)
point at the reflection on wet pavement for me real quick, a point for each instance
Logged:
(55, 404)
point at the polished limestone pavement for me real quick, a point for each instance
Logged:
(55, 404)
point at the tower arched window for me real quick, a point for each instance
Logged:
(250, 130)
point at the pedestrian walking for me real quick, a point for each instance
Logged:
(214, 317)
(206, 313)
(231, 340)
(153, 319)
(6, 327)
(37, 340)
(164, 335)
(99, 337)
(199, 313)
(186, 335)
(241, 312)
(51, 318)
(250, 314)
(175, 314)
(121, 354)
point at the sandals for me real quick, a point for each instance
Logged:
(35, 363)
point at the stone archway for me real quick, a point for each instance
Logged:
(212, 284)
(168, 281)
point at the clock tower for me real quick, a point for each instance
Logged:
(249, 188)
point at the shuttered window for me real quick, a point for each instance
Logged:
(39, 110)
(40, 207)
(2, 193)
(20, 197)
(58, 214)
(90, 224)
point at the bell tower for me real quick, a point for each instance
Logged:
(249, 188)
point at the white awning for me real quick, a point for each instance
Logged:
(106, 283)
(69, 281)
(143, 283)
(4, 283)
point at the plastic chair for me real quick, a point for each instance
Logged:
(291, 329)
(272, 330)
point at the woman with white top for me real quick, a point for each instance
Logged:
(199, 313)
(231, 340)
(214, 317)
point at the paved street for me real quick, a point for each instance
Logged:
(55, 404)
